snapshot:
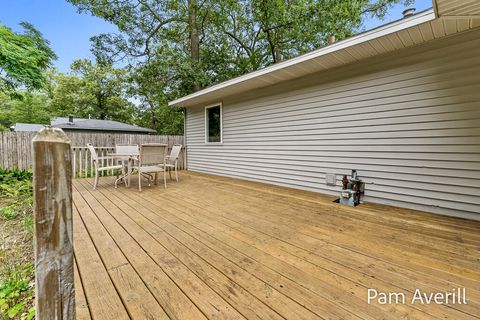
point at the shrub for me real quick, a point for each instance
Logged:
(16, 294)
(14, 183)
(16, 253)
(9, 212)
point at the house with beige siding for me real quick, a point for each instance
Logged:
(400, 104)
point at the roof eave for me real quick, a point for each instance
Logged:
(73, 127)
(380, 31)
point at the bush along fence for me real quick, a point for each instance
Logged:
(16, 148)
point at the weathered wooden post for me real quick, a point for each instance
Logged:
(52, 187)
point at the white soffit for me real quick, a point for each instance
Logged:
(407, 32)
(457, 8)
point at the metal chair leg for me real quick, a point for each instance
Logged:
(96, 180)
(139, 181)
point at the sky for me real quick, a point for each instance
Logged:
(69, 32)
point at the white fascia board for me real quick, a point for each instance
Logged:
(378, 32)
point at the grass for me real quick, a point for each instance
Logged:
(17, 274)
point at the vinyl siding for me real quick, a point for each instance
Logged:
(408, 122)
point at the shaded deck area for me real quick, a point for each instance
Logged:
(219, 248)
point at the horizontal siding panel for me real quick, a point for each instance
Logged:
(413, 120)
(385, 104)
(422, 107)
(399, 157)
(437, 154)
(374, 98)
(401, 129)
(468, 178)
(412, 130)
(343, 163)
(350, 148)
(463, 90)
(362, 120)
(339, 88)
(457, 200)
(358, 141)
(359, 154)
(418, 131)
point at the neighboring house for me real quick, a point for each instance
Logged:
(400, 104)
(27, 127)
(86, 125)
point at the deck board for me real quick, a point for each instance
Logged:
(138, 300)
(101, 295)
(82, 310)
(220, 248)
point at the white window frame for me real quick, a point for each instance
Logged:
(219, 104)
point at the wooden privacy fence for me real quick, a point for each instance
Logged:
(16, 149)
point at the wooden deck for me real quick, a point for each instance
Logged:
(218, 248)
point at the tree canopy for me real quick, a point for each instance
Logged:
(167, 49)
(23, 59)
(175, 47)
(211, 40)
(95, 90)
(31, 108)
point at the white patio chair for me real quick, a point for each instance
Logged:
(151, 161)
(98, 166)
(130, 149)
(126, 149)
(130, 153)
(172, 160)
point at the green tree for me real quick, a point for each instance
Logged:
(225, 37)
(23, 59)
(153, 93)
(269, 31)
(156, 29)
(176, 47)
(32, 107)
(93, 90)
(170, 47)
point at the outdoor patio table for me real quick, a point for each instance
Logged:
(129, 159)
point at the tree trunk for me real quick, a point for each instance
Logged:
(194, 36)
(100, 106)
(152, 112)
(278, 54)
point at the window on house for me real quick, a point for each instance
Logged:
(213, 120)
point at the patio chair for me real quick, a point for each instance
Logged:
(98, 167)
(151, 161)
(124, 153)
(127, 149)
(172, 160)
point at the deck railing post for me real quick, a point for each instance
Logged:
(52, 187)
